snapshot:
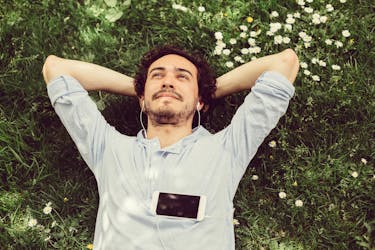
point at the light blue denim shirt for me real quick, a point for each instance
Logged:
(129, 169)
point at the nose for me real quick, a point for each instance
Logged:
(168, 82)
(167, 86)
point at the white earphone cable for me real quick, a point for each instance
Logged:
(141, 120)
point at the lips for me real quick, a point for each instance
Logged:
(164, 93)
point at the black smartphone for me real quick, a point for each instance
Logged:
(179, 205)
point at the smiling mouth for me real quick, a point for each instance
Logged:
(166, 94)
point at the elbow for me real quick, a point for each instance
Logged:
(290, 64)
(49, 68)
(289, 56)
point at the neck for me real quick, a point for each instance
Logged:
(168, 134)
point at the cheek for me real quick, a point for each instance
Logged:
(195, 91)
(148, 91)
(196, 88)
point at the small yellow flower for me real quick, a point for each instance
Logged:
(351, 41)
(249, 19)
(90, 246)
(225, 14)
(295, 184)
(236, 222)
(66, 199)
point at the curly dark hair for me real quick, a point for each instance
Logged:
(206, 76)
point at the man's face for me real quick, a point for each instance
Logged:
(171, 90)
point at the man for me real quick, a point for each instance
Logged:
(169, 156)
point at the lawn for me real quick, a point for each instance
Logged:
(311, 184)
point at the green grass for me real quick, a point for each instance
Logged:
(320, 142)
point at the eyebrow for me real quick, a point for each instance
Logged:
(176, 69)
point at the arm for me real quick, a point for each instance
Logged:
(91, 76)
(244, 76)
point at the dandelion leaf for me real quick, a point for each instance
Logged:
(113, 15)
(111, 3)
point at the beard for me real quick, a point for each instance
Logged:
(165, 115)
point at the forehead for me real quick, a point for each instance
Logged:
(173, 61)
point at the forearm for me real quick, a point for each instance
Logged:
(91, 76)
(244, 76)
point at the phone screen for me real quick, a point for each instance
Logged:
(178, 205)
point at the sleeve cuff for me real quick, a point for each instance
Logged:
(278, 81)
(63, 85)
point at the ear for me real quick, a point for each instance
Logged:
(141, 101)
(200, 105)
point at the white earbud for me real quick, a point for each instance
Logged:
(199, 113)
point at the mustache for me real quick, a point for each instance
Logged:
(175, 94)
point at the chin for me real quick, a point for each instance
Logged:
(166, 110)
(166, 106)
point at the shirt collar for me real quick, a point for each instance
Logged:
(176, 147)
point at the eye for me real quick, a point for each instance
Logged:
(182, 76)
(156, 75)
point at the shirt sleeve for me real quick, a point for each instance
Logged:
(255, 118)
(80, 116)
